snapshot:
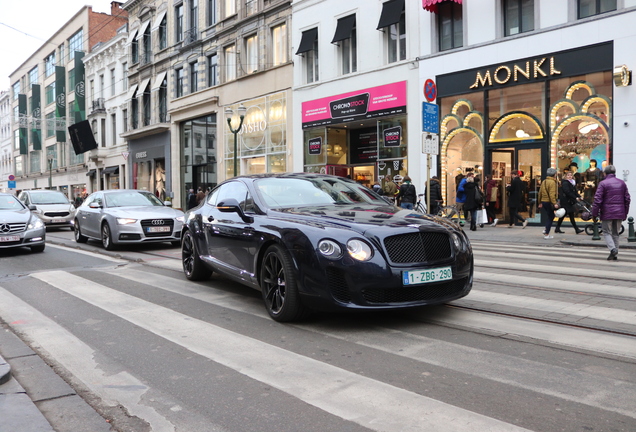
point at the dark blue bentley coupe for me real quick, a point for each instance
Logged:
(315, 242)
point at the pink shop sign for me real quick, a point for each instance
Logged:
(389, 99)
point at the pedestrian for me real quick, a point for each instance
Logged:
(611, 205)
(492, 191)
(474, 200)
(200, 195)
(377, 188)
(390, 188)
(460, 198)
(515, 190)
(548, 200)
(407, 194)
(568, 196)
(191, 200)
(437, 201)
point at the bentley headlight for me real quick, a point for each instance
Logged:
(36, 223)
(457, 241)
(329, 248)
(359, 250)
(126, 221)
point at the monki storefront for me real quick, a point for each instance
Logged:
(553, 110)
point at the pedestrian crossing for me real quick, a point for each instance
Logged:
(410, 341)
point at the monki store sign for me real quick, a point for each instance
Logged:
(529, 70)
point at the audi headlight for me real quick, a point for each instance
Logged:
(359, 250)
(180, 219)
(329, 248)
(126, 221)
(35, 224)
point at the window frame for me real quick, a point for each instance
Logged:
(310, 61)
(213, 70)
(193, 76)
(179, 89)
(507, 6)
(597, 8)
(280, 44)
(398, 49)
(75, 43)
(211, 16)
(455, 9)
(349, 53)
(229, 59)
(178, 23)
(49, 64)
(251, 53)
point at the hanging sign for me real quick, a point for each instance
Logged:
(315, 146)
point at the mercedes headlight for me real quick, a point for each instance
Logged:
(126, 221)
(359, 250)
(329, 249)
(36, 224)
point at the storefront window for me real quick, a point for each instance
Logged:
(198, 155)
(527, 98)
(264, 133)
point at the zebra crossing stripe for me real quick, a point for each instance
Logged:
(368, 402)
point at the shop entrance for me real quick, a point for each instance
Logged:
(527, 161)
(203, 177)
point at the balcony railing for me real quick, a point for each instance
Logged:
(98, 105)
(191, 36)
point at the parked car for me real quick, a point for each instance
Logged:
(19, 226)
(311, 241)
(126, 216)
(53, 207)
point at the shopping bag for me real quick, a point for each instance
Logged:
(482, 216)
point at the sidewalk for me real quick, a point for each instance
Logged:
(48, 393)
(533, 235)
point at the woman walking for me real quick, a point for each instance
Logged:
(548, 200)
(473, 202)
(568, 198)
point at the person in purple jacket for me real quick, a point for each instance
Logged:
(611, 204)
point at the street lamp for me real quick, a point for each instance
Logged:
(229, 113)
(49, 159)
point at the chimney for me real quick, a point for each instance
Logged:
(115, 8)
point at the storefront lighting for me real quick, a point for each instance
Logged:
(586, 127)
(229, 113)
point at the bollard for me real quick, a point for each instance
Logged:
(596, 236)
(631, 237)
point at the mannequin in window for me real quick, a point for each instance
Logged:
(574, 167)
(592, 177)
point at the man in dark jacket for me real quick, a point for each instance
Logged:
(436, 195)
(407, 194)
(515, 188)
(611, 204)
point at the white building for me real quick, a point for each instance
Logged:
(356, 85)
(528, 85)
(6, 151)
(106, 77)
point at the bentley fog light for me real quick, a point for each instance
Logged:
(329, 248)
(359, 250)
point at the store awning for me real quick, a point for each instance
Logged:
(344, 28)
(131, 92)
(131, 36)
(142, 87)
(142, 30)
(391, 13)
(91, 173)
(158, 20)
(431, 5)
(110, 170)
(307, 40)
(158, 80)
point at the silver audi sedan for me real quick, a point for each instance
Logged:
(126, 216)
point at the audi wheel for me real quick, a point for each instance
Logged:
(107, 238)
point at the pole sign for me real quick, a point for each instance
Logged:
(430, 117)
(430, 90)
(430, 143)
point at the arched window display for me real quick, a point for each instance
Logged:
(581, 134)
(516, 126)
(462, 145)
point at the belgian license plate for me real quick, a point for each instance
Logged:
(58, 221)
(9, 238)
(415, 277)
(158, 229)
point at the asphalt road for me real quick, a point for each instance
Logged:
(545, 342)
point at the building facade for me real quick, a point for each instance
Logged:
(48, 96)
(6, 150)
(528, 85)
(106, 89)
(356, 85)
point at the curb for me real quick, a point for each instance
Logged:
(5, 371)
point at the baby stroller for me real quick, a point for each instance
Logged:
(585, 210)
